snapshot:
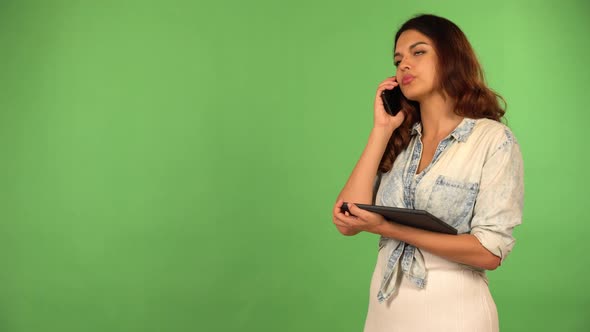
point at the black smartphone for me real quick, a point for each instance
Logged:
(392, 100)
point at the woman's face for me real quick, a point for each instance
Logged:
(416, 61)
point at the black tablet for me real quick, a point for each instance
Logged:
(409, 217)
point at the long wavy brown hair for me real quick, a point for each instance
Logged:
(459, 74)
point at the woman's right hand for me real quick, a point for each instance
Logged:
(336, 218)
(381, 117)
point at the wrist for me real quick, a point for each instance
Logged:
(383, 132)
(381, 229)
(388, 229)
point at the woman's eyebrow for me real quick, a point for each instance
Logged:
(411, 47)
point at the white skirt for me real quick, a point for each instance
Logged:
(455, 298)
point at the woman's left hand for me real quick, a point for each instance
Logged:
(361, 220)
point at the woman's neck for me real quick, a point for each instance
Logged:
(438, 117)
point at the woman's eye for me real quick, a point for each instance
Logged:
(396, 63)
(419, 52)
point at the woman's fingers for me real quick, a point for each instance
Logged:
(338, 206)
(337, 214)
(348, 218)
(361, 214)
(340, 221)
(387, 85)
(343, 219)
(356, 211)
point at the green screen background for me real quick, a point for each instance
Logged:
(172, 165)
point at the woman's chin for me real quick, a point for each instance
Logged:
(412, 97)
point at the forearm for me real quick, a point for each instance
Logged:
(359, 187)
(463, 248)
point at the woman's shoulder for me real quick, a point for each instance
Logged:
(493, 131)
(490, 136)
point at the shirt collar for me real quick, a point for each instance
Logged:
(461, 133)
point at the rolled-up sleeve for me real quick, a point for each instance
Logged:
(499, 202)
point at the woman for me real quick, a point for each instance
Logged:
(445, 152)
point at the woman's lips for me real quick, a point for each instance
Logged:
(407, 79)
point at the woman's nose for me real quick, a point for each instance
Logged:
(404, 64)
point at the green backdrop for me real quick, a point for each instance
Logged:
(172, 165)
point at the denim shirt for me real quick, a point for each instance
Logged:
(474, 183)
